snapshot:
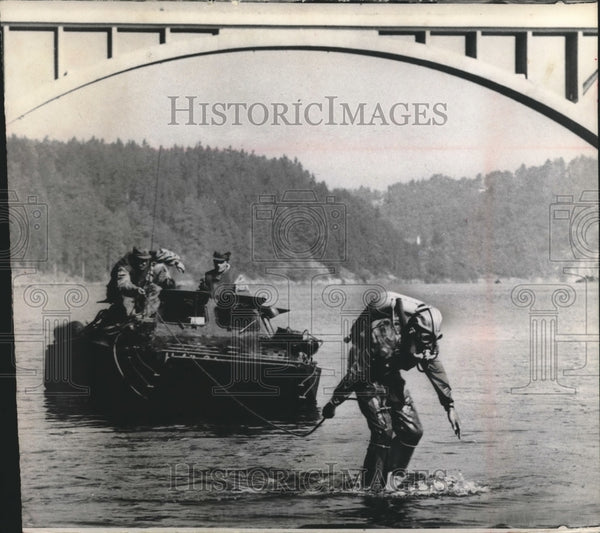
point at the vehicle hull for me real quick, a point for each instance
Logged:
(127, 372)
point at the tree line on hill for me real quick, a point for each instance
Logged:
(501, 224)
(103, 198)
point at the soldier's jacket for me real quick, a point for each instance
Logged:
(125, 278)
(213, 278)
(378, 357)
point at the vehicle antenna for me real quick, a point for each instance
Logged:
(155, 197)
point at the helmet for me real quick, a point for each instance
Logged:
(220, 257)
(427, 321)
(140, 253)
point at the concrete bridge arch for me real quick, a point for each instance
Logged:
(396, 33)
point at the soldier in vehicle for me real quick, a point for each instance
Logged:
(137, 279)
(218, 275)
(399, 334)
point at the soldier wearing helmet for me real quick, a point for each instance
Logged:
(137, 279)
(392, 334)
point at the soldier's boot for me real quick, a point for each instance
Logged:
(375, 466)
(400, 455)
(398, 460)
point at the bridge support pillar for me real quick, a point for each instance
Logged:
(471, 39)
(59, 52)
(422, 37)
(111, 40)
(572, 45)
(521, 40)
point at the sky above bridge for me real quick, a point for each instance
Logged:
(350, 120)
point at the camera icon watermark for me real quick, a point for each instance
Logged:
(28, 230)
(299, 228)
(574, 228)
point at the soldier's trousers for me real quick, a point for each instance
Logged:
(395, 429)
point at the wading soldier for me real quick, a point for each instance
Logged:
(398, 334)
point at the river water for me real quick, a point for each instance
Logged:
(525, 459)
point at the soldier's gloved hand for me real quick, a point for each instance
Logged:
(141, 291)
(328, 410)
(179, 266)
(454, 421)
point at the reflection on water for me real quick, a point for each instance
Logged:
(525, 459)
(83, 412)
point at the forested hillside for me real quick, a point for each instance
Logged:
(101, 202)
(498, 224)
